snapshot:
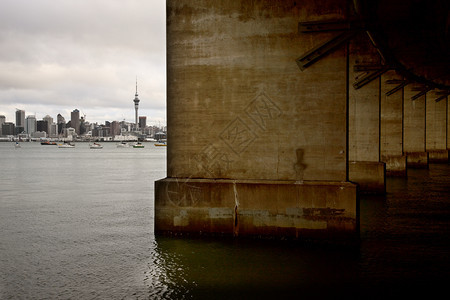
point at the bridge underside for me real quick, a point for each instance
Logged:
(281, 112)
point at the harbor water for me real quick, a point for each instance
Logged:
(77, 223)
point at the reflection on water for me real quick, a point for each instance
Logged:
(206, 268)
(79, 225)
(404, 250)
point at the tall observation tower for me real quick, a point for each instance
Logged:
(136, 107)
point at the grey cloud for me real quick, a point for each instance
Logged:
(87, 52)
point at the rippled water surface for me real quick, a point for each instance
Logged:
(78, 224)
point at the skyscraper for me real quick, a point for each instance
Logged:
(142, 122)
(8, 128)
(2, 120)
(60, 119)
(30, 124)
(20, 118)
(49, 123)
(61, 123)
(75, 120)
(136, 106)
(20, 121)
(115, 128)
(42, 125)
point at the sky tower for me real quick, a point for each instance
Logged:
(136, 107)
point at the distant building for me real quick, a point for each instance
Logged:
(30, 124)
(2, 121)
(61, 127)
(23, 136)
(106, 131)
(42, 125)
(125, 126)
(39, 134)
(61, 124)
(142, 122)
(20, 121)
(160, 135)
(49, 122)
(115, 128)
(83, 128)
(53, 130)
(101, 131)
(60, 119)
(8, 128)
(69, 133)
(75, 120)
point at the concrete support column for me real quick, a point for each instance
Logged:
(414, 129)
(448, 125)
(436, 141)
(365, 167)
(256, 146)
(392, 127)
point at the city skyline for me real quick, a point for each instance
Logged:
(68, 118)
(85, 56)
(76, 127)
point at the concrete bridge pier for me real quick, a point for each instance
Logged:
(436, 128)
(414, 130)
(279, 111)
(257, 137)
(365, 167)
(392, 126)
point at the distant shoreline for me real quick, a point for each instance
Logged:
(93, 141)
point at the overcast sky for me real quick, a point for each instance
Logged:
(57, 56)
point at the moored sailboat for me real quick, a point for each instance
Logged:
(66, 145)
(95, 146)
(138, 145)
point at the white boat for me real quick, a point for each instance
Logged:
(123, 145)
(95, 146)
(138, 145)
(17, 145)
(66, 145)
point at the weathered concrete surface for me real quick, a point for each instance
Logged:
(370, 176)
(414, 128)
(438, 156)
(392, 127)
(436, 129)
(397, 165)
(240, 108)
(418, 160)
(256, 208)
(364, 121)
(256, 145)
(448, 124)
(238, 105)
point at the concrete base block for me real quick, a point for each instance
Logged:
(395, 165)
(438, 156)
(285, 209)
(370, 176)
(417, 160)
